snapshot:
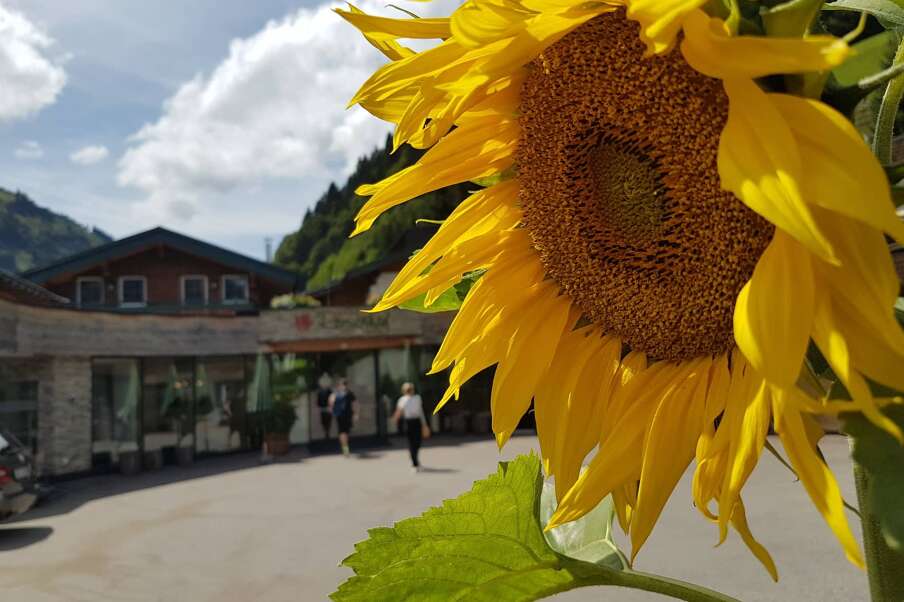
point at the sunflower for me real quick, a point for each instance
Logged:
(660, 238)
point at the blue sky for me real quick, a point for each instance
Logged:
(221, 119)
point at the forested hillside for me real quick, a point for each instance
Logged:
(321, 250)
(32, 236)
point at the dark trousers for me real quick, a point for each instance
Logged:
(413, 430)
(326, 420)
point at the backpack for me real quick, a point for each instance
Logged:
(342, 404)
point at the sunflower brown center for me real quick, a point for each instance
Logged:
(621, 195)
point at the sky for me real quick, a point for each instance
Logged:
(221, 119)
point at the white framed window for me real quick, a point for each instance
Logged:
(193, 289)
(133, 291)
(89, 291)
(234, 288)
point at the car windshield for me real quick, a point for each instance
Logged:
(8, 442)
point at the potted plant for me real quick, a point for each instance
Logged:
(129, 458)
(177, 412)
(278, 422)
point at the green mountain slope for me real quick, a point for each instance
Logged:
(321, 250)
(32, 236)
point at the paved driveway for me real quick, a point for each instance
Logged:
(230, 530)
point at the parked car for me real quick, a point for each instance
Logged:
(18, 488)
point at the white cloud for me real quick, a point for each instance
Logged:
(30, 79)
(272, 110)
(89, 155)
(29, 150)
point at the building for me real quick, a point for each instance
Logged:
(161, 271)
(162, 347)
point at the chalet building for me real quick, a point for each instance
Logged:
(163, 347)
(161, 271)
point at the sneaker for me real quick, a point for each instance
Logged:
(415, 470)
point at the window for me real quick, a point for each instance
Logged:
(194, 290)
(235, 289)
(89, 290)
(19, 410)
(133, 291)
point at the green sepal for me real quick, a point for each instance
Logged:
(485, 545)
(890, 13)
(791, 19)
(589, 538)
(881, 456)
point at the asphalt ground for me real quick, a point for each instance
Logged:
(230, 529)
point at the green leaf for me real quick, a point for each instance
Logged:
(588, 538)
(447, 301)
(871, 56)
(882, 458)
(487, 544)
(450, 299)
(890, 12)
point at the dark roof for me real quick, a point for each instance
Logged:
(160, 236)
(402, 249)
(24, 290)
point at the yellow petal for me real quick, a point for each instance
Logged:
(842, 174)
(564, 406)
(816, 477)
(739, 522)
(476, 23)
(668, 449)
(479, 149)
(747, 422)
(873, 355)
(619, 457)
(660, 20)
(631, 366)
(490, 210)
(774, 311)
(378, 39)
(834, 346)
(710, 49)
(405, 76)
(386, 28)
(759, 162)
(529, 354)
(865, 279)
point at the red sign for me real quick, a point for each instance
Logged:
(303, 322)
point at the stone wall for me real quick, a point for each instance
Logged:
(64, 417)
(350, 323)
(63, 409)
(31, 331)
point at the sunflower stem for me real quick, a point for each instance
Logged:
(885, 122)
(883, 563)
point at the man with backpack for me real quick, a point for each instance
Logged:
(344, 407)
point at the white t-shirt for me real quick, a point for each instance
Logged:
(411, 406)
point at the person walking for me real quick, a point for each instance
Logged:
(324, 391)
(344, 407)
(411, 408)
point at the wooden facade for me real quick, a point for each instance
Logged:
(161, 262)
